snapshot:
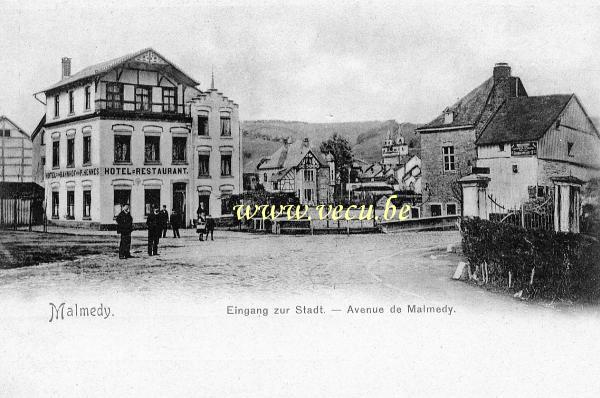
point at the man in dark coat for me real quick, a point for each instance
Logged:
(164, 221)
(124, 227)
(175, 223)
(210, 226)
(154, 231)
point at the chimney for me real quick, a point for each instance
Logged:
(501, 72)
(66, 67)
(305, 142)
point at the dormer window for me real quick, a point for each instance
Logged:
(448, 116)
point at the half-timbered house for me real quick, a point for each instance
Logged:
(300, 169)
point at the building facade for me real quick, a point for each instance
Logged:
(540, 148)
(134, 130)
(448, 149)
(16, 154)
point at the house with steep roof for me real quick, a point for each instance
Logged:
(136, 130)
(301, 169)
(16, 156)
(448, 150)
(539, 147)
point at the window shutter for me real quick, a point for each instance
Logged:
(531, 191)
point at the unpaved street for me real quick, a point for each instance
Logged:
(405, 267)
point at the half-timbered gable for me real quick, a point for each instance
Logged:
(299, 168)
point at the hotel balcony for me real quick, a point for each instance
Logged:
(147, 111)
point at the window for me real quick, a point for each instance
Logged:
(114, 96)
(55, 154)
(415, 212)
(570, 149)
(169, 99)
(55, 204)
(71, 103)
(204, 202)
(143, 94)
(448, 155)
(88, 97)
(515, 168)
(4, 133)
(265, 177)
(436, 210)
(87, 203)
(501, 147)
(43, 138)
(226, 202)
(275, 185)
(203, 165)
(122, 149)
(152, 149)
(203, 125)
(451, 209)
(541, 191)
(43, 160)
(87, 149)
(56, 105)
(122, 198)
(71, 204)
(225, 126)
(308, 195)
(179, 149)
(151, 198)
(70, 152)
(225, 165)
(309, 175)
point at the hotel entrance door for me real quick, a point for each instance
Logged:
(179, 190)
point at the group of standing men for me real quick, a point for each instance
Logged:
(157, 223)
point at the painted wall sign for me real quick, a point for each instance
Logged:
(120, 171)
(524, 149)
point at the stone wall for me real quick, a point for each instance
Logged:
(436, 183)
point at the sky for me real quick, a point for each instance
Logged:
(328, 61)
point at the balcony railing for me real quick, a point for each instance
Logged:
(153, 110)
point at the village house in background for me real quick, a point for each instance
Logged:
(539, 149)
(21, 198)
(136, 130)
(16, 154)
(448, 150)
(300, 169)
(398, 171)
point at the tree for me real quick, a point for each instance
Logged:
(340, 148)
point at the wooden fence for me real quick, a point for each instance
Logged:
(16, 212)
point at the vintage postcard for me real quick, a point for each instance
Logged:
(299, 198)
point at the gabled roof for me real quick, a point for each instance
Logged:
(106, 66)
(39, 127)
(16, 126)
(469, 109)
(291, 155)
(523, 119)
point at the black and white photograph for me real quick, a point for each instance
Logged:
(299, 198)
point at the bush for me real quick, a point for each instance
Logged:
(564, 266)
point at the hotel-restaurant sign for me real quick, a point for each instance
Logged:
(524, 149)
(117, 171)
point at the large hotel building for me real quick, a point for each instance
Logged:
(136, 130)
